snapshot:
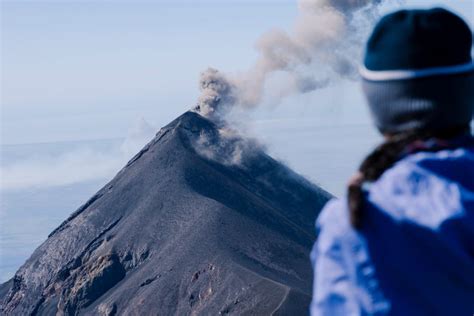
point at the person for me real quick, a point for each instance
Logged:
(401, 242)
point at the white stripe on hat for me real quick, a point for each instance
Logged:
(383, 75)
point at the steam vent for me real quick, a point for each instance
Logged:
(180, 230)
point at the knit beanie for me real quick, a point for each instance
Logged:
(418, 72)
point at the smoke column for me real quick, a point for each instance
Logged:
(323, 45)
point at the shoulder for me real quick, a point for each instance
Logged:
(438, 184)
(426, 183)
(450, 165)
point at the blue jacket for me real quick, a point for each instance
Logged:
(414, 254)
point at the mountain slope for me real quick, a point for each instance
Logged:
(182, 229)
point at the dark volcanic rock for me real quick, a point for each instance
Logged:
(196, 223)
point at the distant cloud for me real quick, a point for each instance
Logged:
(84, 163)
(72, 167)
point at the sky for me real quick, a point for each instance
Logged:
(76, 70)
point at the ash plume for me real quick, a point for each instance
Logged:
(324, 45)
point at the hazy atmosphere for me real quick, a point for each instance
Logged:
(85, 84)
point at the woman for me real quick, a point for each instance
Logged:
(402, 241)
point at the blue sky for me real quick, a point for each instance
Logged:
(87, 69)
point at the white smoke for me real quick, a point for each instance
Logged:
(228, 147)
(324, 45)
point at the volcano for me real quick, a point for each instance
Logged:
(181, 230)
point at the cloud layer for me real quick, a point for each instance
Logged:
(73, 165)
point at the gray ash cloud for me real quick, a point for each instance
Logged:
(323, 46)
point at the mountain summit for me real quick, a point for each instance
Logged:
(197, 223)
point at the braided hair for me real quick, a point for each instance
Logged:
(382, 158)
